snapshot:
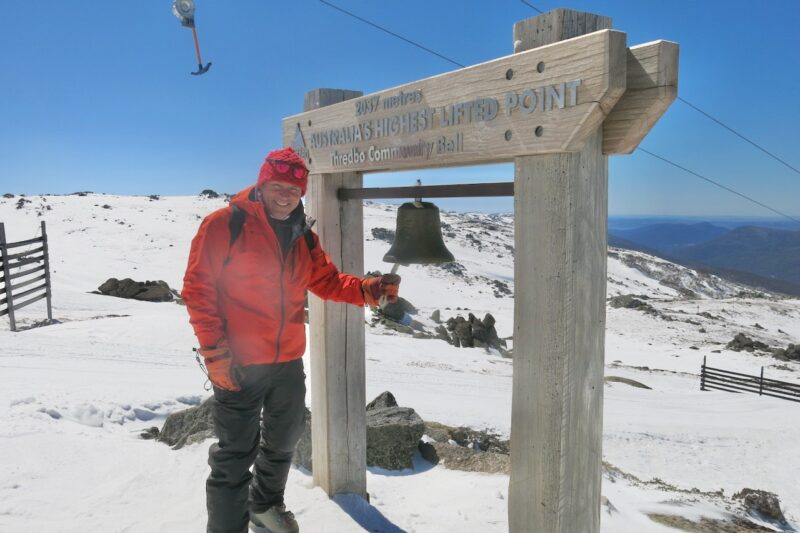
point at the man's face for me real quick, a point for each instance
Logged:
(280, 198)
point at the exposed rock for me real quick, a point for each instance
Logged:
(438, 432)
(742, 342)
(8, 195)
(21, 202)
(393, 434)
(149, 433)
(441, 333)
(154, 197)
(148, 291)
(761, 504)
(707, 525)
(189, 426)
(454, 268)
(627, 381)
(472, 332)
(106, 206)
(383, 234)
(463, 448)
(208, 193)
(467, 437)
(383, 400)
(500, 288)
(465, 459)
(436, 316)
(628, 301)
(791, 353)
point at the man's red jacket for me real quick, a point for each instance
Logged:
(251, 295)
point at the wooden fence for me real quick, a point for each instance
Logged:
(716, 378)
(29, 269)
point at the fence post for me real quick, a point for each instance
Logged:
(761, 382)
(47, 272)
(703, 375)
(6, 276)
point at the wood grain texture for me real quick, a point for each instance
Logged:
(652, 86)
(554, 26)
(597, 59)
(559, 327)
(338, 397)
(560, 214)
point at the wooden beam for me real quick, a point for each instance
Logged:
(338, 396)
(464, 190)
(651, 88)
(541, 101)
(560, 217)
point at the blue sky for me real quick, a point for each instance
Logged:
(97, 96)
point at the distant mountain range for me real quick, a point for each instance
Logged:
(765, 257)
(669, 237)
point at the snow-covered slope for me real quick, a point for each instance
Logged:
(76, 394)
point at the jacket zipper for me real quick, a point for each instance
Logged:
(283, 306)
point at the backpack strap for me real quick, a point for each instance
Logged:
(235, 223)
(309, 239)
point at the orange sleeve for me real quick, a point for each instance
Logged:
(209, 249)
(330, 284)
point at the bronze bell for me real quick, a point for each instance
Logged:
(418, 236)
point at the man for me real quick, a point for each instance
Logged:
(249, 268)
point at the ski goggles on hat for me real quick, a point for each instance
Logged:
(282, 167)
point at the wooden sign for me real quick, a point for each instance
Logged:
(545, 100)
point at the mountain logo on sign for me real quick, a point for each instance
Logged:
(299, 144)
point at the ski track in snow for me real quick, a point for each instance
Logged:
(76, 394)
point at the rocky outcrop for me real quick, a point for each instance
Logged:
(791, 353)
(471, 332)
(188, 426)
(467, 449)
(148, 291)
(465, 459)
(393, 433)
(630, 301)
(742, 342)
(383, 234)
(762, 504)
(626, 381)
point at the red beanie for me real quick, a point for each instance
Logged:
(288, 155)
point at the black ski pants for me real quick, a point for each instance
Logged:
(257, 426)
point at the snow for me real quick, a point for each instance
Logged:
(77, 394)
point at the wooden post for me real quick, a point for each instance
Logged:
(560, 210)
(703, 375)
(338, 396)
(7, 277)
(46, 255)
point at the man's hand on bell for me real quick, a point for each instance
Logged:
(379, 291)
